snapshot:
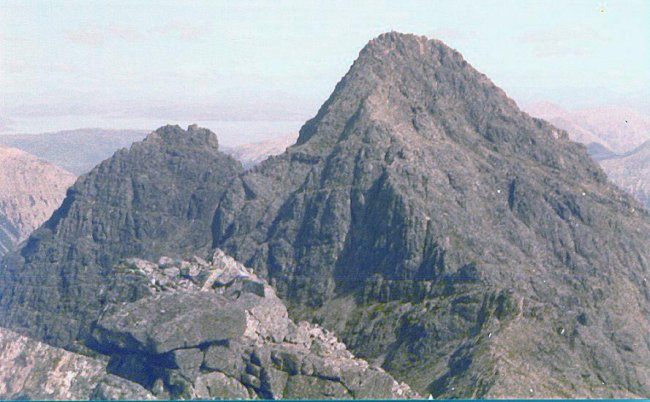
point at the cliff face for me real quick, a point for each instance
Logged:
(156, 198)
(471, 249)
(30, 190)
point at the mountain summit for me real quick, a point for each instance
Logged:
(156, 198)
(469, 249)
(472, 249)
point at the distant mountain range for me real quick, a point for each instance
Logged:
(30, 190)
(255, 153)
(616, 137)
(76, 151)
(631, 171)
(617, 129)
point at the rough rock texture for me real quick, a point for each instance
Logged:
(255, 153)
(156, 198)
(216, 331)
(631, 172)
(77, 151)
(34, 370)
(30, 190)
(471, 249)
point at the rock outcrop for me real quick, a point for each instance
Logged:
(216, 331)
(30, 190)
(32, 370)
(469, 248)
(157, 198)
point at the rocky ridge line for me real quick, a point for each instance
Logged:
(216, 330)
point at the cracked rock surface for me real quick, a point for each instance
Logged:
(216, 330)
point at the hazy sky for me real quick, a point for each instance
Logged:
(71, 64)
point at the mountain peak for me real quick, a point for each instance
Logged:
(193, 136)
(406, 44)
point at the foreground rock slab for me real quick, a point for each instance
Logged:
(214, 330)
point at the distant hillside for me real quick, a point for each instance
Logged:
(30, 190)
(632, 172)
(254, 153)
(619, 129)
(77, 151)
(600, 152)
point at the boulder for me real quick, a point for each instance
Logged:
(170, 321)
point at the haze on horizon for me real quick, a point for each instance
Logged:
(124, 64)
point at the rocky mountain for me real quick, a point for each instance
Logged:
(631, 172)
(468, 249)
(255, 153)
(616, 128)
(77, 151)
(239, 344)
(472, 250)
(30, 190)
(157, 198)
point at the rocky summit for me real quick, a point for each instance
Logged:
(466, 248)
(472, 250)
(156, 198)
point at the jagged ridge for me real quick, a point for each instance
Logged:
(156, 198)
(438, 228)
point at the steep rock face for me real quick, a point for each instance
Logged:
(30, 190)
(438, 229)
(632, 172)
(214, 330)
(158, 197)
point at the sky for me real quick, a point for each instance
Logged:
(271, 64)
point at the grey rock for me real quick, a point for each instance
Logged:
(156, 198)
(368, 384)
(116, 388)
(144, 346)
(288, 361)
(170, 321)
(217, 385)
(305, 387)
(250, 380)
(436, 228)
(225, 359)
(188, 361)
(273, 383)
